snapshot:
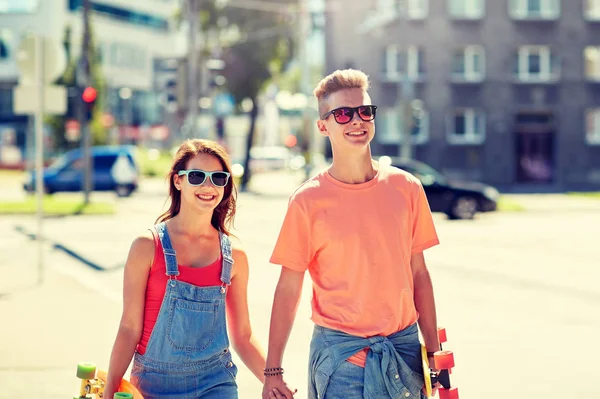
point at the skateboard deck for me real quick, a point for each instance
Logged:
(93, 383)
(443, 362)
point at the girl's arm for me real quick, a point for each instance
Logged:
(137, 268)
(243, 340)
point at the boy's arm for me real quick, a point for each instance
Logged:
(285, 305)
(423, 236)
(425, 302)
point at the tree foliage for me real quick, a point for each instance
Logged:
(256, 41)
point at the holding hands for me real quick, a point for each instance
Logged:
(275, 387)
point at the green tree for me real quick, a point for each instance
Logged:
(57, 122)
(256, 42)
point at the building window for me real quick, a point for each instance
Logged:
(123, 14)
(417, 9)
(592, 10)
(536, 64)
(410, 9)
(390, 127)
(466, 126)
(593, 126)
(468, 64)
(591, 57)
(466, 9)
(125, 55)
(535, 9)
(6, 41)
(6, 103)
(18, 6)
(398, 62)
(4, 54)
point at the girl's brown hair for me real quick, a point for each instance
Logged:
(224, 213)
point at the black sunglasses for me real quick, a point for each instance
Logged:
(344, 115)
(197, 177)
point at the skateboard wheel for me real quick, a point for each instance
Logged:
(443, 360)
(451, 393)
(122, 395)
(442, 335)
(86, 371)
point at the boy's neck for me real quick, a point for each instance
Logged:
(353, 168)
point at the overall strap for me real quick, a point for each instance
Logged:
(227, 258)
(170, 258)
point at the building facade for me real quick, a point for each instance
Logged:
(510, 89)
(129, 35)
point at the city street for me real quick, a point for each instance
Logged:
(517, 292)
(489, 104)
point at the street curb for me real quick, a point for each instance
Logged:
(70, 252)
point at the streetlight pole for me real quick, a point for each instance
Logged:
(303, 32)
(406, 93)
(39, 151)
(193, 60)
(83, 81)
(125, 95)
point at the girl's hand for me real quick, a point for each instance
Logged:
(276, 388)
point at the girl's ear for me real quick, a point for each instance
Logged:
(177, 181)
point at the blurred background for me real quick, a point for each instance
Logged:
(503, 92)
(493, 104)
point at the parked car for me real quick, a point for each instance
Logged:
(457, 199)
(271, 158)
(114, 169)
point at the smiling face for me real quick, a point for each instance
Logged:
(205, 197)
(354, 135)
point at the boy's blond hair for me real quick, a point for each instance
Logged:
(339, 80)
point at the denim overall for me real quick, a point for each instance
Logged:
(393, 369)
(187, 355)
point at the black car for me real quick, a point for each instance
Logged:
(457, 199)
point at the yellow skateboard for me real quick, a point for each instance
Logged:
(93, 384)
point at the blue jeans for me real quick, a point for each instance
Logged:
(346, 382)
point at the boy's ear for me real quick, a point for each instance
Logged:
(322, 127)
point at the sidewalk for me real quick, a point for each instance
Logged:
(555, 202)
(47, 329)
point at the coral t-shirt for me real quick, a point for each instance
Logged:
(356, 241)
(206, 276)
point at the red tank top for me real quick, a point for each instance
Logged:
(206, 276)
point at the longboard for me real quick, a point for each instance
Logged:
(93, 383)
(443, 362)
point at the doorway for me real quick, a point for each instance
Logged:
(535, 135)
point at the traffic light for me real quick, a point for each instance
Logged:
(418, 116)
(220, 127)
(417, 122)
(88, 96)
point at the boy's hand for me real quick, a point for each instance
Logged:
(276, 388)
(434, 387)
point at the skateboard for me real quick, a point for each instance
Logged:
(93, 383)
(444, 362)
